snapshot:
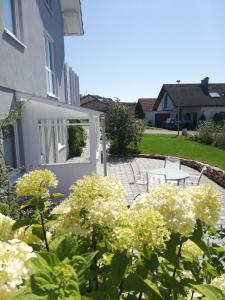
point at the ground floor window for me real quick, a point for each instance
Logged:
(10, 146)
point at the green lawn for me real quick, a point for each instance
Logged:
(182, 147)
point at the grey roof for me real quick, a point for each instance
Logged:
(193, 94)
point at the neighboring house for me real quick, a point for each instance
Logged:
(95, 102)
(144, 110)
(194, 101)
(32, 70)
(131, 106)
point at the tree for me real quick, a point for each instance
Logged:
(122, 129)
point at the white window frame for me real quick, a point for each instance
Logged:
(50, 70)
(16, 11)
(61, 135)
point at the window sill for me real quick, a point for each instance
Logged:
(11, 35)
(52, 96)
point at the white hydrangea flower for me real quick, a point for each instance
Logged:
(140, 227)
(14, 256)
(207, 202)
(94, 200)
(191, 250)
(6, 224)
(174, 204)
(219, 282)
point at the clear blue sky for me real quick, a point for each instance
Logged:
(131, 47)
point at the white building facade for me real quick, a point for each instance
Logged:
(33, 72)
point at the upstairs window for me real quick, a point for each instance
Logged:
(12, 17)
(165, 102)
(49, 66)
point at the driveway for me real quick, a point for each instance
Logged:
(164, 131)
(160, 131)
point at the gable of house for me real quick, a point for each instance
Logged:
(95, 102)
(144, 106)
(193, 95)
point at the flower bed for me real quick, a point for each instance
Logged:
(92, 246)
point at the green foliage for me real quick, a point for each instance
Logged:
(182, 147)
(219, 118)
(122, 129)
(89, 267)
(76, 139)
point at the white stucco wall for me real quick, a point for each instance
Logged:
(149, 116)
(209, 112)
(170, 105)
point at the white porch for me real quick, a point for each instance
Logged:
(45, 126)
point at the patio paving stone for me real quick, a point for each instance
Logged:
(120, 168)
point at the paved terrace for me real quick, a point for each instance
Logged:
(120, 168)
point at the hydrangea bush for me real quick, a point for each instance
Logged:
(93, 246)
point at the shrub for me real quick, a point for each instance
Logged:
(101, 249)
(122, 129)
(219, 118)
(76, 140)
(220, 139)
(207, 132)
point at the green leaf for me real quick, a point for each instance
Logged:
(51, 259)
(40, 263)
(211, 292)
(67, 248)
(137, 284)
(119, 265)
(38, 231)
(56, 195)
(82, 268)
(22, 223)
(43, 283)
(29, 203)
(170, 253)
(153, 288)
(197, 238)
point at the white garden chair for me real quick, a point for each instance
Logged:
(153, 180)
(195, 179)
(139, 176)
(172, 163)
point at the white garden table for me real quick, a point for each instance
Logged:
(171, 174)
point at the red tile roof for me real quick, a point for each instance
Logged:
(147, 104)
(131, 106)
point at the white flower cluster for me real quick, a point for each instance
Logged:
(94, 200)
(6, 224)
(181, 208)
(173, 204)
(219, 282)
(14, 256)
(139, 228)
(191, 250)
(207, 202)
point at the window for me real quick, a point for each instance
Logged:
(9, 147)
(166, 102)
(214, 95)
(49, 66)
(12, 17)
(187, 117)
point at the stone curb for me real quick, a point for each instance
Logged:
(215, 174)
